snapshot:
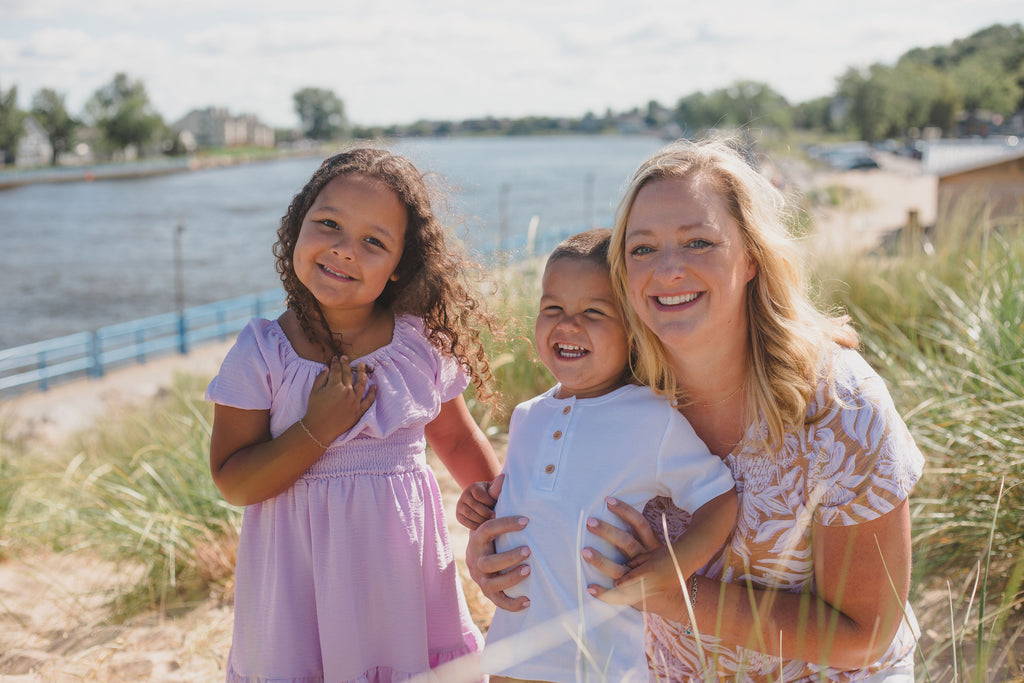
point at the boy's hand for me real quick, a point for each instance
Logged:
(650, 578)
(476, 504)
(338, 399)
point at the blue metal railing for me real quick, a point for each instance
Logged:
(93, 353)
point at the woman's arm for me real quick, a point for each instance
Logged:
(862, 574)
(249, 466)
(460, 444)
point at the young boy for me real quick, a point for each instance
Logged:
(594, 434)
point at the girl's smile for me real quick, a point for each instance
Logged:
(350, 244)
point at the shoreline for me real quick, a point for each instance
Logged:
(142, 168)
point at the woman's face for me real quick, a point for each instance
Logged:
(686, 266)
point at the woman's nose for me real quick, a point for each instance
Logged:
(670, 265)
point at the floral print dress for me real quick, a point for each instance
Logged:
(853, 465)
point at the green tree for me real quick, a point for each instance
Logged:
(985, 86)
(931, 96)
(322, 114)
(121, 110)
(11, 124)
(49, 110)
(878, 104)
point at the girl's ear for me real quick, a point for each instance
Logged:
(394, 276)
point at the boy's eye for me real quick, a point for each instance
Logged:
(375, 242)
(594, 311)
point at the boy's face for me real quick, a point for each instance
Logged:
(579, 333)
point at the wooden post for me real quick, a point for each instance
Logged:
(912, 232)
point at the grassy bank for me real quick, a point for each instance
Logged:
(944, 327)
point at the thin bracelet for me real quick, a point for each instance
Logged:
(688, 629)
(310, 434)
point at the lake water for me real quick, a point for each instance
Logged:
(77, 256)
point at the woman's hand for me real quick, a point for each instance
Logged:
(495, 572)
(476, 504)
(648, 557)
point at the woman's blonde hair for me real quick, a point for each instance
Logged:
(787, 333)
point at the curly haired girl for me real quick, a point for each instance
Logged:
(345, 569)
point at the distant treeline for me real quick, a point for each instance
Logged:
(975, 85)
(979, 78)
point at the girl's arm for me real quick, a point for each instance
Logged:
(862, 578)
(460, 444)
(249, 466)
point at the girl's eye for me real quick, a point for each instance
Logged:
(329, 223)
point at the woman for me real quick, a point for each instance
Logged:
(813, 582)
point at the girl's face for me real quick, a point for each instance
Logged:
(579, 333)
(350, 243)
(686, 266)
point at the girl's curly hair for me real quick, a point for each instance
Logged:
(432, 278)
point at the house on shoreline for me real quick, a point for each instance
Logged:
(217, 127)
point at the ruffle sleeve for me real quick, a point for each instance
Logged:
(250, 371)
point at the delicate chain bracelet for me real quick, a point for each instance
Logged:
(310, 434)
(688, 629)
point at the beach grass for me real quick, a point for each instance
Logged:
(943, 325)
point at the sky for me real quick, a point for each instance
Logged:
(399, 61)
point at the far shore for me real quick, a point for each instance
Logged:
(147, 167)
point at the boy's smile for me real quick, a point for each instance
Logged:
(579, 333)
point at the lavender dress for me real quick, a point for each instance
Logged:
(348, 575)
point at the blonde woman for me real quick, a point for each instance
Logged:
(812, 584)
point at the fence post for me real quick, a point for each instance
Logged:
(96, 353)
(140, 346)
(182, 336)
(42, 370)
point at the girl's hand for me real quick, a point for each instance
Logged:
(476, 504)
(495, 572)
(338, 399)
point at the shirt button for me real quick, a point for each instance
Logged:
(557, 435)
(565, 410)
(549, 469)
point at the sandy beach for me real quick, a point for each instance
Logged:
(53, 622)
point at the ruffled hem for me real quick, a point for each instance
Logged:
(452, 666)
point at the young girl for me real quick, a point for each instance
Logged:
(345, 570)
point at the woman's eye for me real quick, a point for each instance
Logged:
(642, 250)
(699, 244)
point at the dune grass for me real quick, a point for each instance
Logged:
(944, 327)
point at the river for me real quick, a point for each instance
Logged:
(77, 256)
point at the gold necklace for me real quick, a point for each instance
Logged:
(721, 400)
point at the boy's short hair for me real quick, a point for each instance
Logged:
(591, 245)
